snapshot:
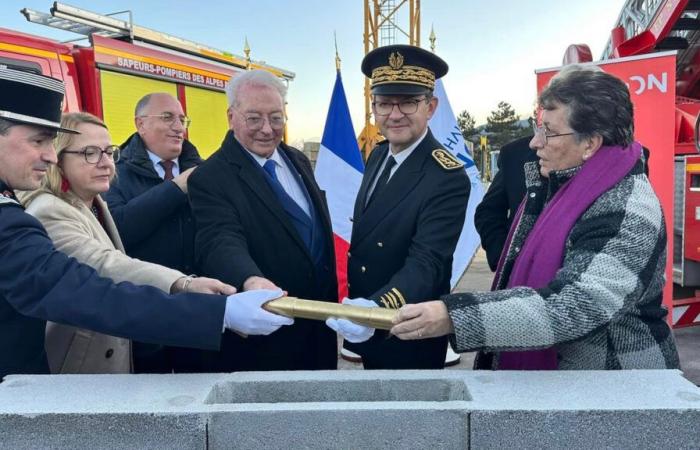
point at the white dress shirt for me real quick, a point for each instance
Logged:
(160, 170)
(289, 181)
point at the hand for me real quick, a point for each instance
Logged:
(181, 180)
(255, 282)
(351, 331)
(244, 313)
(205, 285)
(422, 320)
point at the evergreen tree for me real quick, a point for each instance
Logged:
(503, 125)
(466, 124)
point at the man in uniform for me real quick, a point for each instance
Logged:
(38, 283)
(410, 209)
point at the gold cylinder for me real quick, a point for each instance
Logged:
(380, 318)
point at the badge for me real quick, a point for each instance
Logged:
(446, 159)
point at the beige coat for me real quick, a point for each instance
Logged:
(76, 232)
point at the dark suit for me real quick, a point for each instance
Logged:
(494, 214)
(244, 230)
(402, 245)
(38, 283)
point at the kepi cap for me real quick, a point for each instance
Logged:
(31, 99)
(402, 70)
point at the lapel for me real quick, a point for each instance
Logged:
(404, 180)
(255, 179)
(370, 174)
(318, 204)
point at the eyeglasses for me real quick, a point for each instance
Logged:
(256, 122)
(542, 132)
(170, 118)
(406, 107)
(93, 154)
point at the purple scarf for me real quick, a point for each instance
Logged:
(542, 255)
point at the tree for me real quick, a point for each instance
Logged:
(466, 124)
(503, 125)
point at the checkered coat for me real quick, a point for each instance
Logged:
(603, 308)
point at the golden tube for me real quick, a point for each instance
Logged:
(380, 318)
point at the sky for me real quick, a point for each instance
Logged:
(492, 47)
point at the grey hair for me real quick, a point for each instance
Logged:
(5, 126)
(256, 78)
(598, 103)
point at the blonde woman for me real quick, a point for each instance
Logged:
(69, 206)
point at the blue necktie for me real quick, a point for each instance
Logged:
(269, 167)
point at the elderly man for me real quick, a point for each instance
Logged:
(38, 283)
(581, 283)
(148, 201)
(410, 208)
(262, 222)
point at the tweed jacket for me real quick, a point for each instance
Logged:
(76, 232)
(603, 308)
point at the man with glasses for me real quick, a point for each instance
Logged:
(262, 222)
(409, 211)
(148, 201)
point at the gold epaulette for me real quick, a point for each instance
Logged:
(446, 160)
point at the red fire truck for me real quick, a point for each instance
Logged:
(643, 27)
(122, 62)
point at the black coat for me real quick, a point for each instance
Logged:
(494, 214)
(402, 246)
(153, 216)
(242, 231)
(38, 283)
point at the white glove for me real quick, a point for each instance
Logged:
(245, 315)
(351, 331)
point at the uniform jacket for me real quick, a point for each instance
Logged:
(494, 214)
(39, 283)
(603, 308)
(402, 242)
(153, 216)
(75, 231)
(242, 231)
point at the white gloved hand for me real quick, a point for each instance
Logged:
(351, 331)
(245, 315)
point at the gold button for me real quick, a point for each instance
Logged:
(380, 244)
(363, 269)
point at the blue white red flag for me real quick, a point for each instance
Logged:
(339, 170)
(443, 124)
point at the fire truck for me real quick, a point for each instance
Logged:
(122, 62)
(649, 26)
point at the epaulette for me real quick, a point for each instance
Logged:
(446, 160)
(392, 299)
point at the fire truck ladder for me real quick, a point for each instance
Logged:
(80, 21)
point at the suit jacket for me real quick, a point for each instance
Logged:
(39, 283)
(402, 246)
(243, 230)
(494, 214)
(75, 231)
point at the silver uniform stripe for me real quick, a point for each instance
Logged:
(33, 79)
(29, 119)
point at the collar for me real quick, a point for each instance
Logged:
(155, 159)
(276, 157)
(7, 194)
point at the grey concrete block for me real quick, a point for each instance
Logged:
(412, 427)
(104, 431)
(624, 429)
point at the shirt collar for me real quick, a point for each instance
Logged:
(262, 160)
(404, 154)
(155, 159)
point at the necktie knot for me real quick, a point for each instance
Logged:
(269, 167)
(168, 167)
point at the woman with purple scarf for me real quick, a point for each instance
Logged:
(580, 282)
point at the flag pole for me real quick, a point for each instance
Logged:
(337, 57)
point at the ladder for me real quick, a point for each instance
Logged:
(81, 21)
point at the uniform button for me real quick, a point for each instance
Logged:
(517, 249)
(363, 269)
(532, 195)
(380, 244)
(349, 255)
(109, 353)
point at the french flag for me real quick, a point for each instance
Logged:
(339, 170)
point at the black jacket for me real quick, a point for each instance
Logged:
(402, 246)
(243, 230)
(494, 214)
(153, 216)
